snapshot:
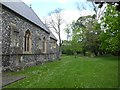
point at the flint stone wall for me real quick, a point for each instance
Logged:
(14, 56)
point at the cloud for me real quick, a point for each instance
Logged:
(69, 16)
(62, 1)
(70, 1)
(10, 0)
(52, 1)
(28, 1)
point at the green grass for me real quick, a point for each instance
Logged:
(70, 72)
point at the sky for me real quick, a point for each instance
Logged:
(70, 11)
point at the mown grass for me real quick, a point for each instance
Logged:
(71, 72)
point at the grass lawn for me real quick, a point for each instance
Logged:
(70, 72)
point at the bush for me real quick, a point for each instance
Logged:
(90, 54)
(67, 52)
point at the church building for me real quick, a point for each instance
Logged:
(26, 41)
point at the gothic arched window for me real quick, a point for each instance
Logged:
(27, 41)
(44, 45)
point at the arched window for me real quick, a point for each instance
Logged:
(27, 41)
(44, 45)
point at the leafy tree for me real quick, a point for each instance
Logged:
(98, 38)
(110, 35)
(87, 33)
(67, 47)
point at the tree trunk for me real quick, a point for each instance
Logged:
(84, 53)
(60, 44)
(96, 53)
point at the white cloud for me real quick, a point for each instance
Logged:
(28, 1)
(62, 1)
(68, 17)
(53, 1)
(70, 1)
(10, 0)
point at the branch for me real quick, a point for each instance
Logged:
(95, 8)
(101, 12)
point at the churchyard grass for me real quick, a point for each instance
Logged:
(71, 72)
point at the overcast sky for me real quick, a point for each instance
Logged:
(70, 12)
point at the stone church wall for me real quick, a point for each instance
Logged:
(14, 56)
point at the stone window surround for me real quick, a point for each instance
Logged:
(16, 38)
(44, 45)
(53, 44)
(14, 35)
(27, 46)
(39, 44)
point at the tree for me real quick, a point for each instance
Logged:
(55, 21)
(86, 32)
(67, 47)
(68, 31)
(98, 37)
(110, 35)
(92, 29)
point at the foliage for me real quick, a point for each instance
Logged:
(85, 32)
(97, 36)
(110, 35)
(71, 72)
(71, 47)
(67, 48)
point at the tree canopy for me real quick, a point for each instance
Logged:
(96, 36)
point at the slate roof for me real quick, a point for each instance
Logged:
(22, 9)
